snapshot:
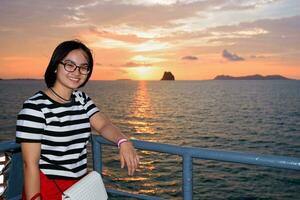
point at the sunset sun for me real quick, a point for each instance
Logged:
(143, 73)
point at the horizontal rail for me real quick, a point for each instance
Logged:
(188, 153)
(139, 196)
(283, 162)
(8, 145)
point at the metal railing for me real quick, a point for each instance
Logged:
(187, 153)
(15, 172)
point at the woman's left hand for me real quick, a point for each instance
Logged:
(129, 157)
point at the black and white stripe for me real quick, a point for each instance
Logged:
(63, 131)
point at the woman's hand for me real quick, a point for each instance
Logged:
(129, 157)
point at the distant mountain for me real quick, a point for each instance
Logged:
(251, 77)
(168, 76)
(22, 79)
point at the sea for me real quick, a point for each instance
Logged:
(252, 116)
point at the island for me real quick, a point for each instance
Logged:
(251, 77)
(168, 76)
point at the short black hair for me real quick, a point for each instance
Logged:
(59, 53)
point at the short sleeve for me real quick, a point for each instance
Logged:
(87, 103)
(90, 106)
(30, 123)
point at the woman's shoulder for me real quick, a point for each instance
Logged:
(79, 93)
(34, 102)
(36, 98)
(81, 96)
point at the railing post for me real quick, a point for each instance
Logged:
(187, 185)
(97, 155)
(15, 180)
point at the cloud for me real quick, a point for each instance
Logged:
(244, 5)
(189, 58)
(231, 56)
(154, 26)
(134, 64)
(268, 37)
(144, 59)
(156, 2)
(257, 57)
(148, 46)
(82, 6)
(125, 37)
(140, 13)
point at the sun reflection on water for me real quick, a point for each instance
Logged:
(132, 178)
(141, 111)
(152, 176)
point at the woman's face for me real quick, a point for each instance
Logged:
(64, 75)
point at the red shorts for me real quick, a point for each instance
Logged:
(49, 190)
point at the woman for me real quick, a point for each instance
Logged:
(54, 126)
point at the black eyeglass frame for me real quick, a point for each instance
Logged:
(76, 66)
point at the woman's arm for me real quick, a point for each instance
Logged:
(31, 155)
(128, 155)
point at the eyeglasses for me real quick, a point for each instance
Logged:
(71, 67)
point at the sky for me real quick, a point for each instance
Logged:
(141, 39)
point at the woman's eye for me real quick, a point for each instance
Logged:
(69, 65)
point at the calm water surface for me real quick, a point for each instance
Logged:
(247, 116)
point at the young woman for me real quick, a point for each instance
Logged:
(54, 126)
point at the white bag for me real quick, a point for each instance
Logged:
(90, 187)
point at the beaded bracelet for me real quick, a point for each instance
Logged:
(120, 141)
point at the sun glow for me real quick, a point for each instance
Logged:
(144, 73)
(140, 58)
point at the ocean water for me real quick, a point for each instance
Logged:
(247, 116)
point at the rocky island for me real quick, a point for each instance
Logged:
(168, 76)
(251, 77)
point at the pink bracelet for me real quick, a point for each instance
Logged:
(36, 196)
(120, 141)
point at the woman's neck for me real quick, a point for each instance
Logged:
(61, 93)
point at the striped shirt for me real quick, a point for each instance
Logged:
(63, 131)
